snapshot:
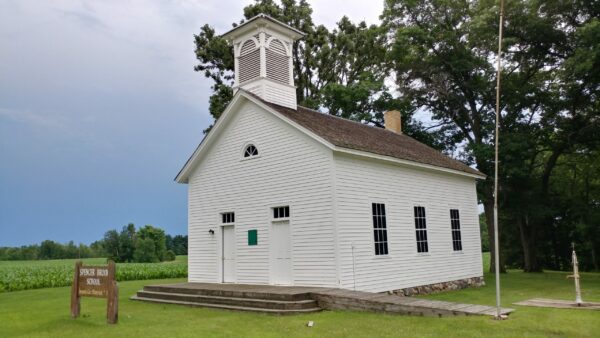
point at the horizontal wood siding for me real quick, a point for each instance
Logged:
(361, 182)
(280, 94)
(291, 170)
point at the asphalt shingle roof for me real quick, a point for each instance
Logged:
(357, 136)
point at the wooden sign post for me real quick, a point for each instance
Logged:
(96, 281)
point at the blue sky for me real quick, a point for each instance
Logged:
(100, 108)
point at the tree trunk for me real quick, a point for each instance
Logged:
(556, 250)
(528, 229)
(488, 207)
(528, 233)
(594, 261)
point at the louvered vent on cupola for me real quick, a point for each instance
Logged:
(263, 59)
(277, 62)
(249, 61)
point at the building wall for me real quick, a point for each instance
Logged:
(291, 170)
(360, 182)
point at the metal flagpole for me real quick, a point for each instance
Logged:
(496, 242)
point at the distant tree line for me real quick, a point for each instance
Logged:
(48, 250)
(148, 244)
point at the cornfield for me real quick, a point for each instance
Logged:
(24, 275)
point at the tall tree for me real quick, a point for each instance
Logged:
(145, 251)
(157, 236)
(442, 67)
(444, 53)
(341, 71)
(127, 239)
(565, 123)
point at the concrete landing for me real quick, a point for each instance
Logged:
(559, 304)
(296, 299)
(340, 299)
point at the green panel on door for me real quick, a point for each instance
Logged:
(252, 237)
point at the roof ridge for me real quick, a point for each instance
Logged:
(360, 124)
(356, 122)
(372, 139)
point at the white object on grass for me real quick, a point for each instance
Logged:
(575, 276)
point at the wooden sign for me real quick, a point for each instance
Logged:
(95, 281)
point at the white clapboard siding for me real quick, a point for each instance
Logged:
(291, 169)
(280, 94)
(360, 182)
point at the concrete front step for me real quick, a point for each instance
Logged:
(243, 293)
(298, 299)
(228, 307)
(233, 301)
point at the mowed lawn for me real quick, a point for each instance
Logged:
(45, 313)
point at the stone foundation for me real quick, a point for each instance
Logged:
(439, 287)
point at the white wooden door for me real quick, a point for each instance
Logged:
(281, 259)
(228, 254)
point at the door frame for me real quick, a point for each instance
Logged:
(272, 224)
(222, 253)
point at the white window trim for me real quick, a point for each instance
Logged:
(414, 229)
(387, 228)
(243, 151)
(460, 230)
(275, 222)
(280, 219)
(388, 256)
(221, 218)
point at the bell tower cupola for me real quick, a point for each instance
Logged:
(262, 48)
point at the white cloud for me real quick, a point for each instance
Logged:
(32, 118)
(329, 12)
(126, 46)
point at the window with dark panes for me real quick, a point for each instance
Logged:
(455, 225)
(421, 229)
(228, 217)
(380, 229)
(281, 212)
(250, 151)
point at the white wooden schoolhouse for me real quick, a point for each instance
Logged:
(284, 195)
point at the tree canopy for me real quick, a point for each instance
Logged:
(444, 56)
(341, 71)
(440, 56)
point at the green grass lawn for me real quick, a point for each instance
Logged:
(45, 313)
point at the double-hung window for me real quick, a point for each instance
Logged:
(421, 229)
(380, 229)
(455, 225)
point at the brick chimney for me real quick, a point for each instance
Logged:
(392, 120)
